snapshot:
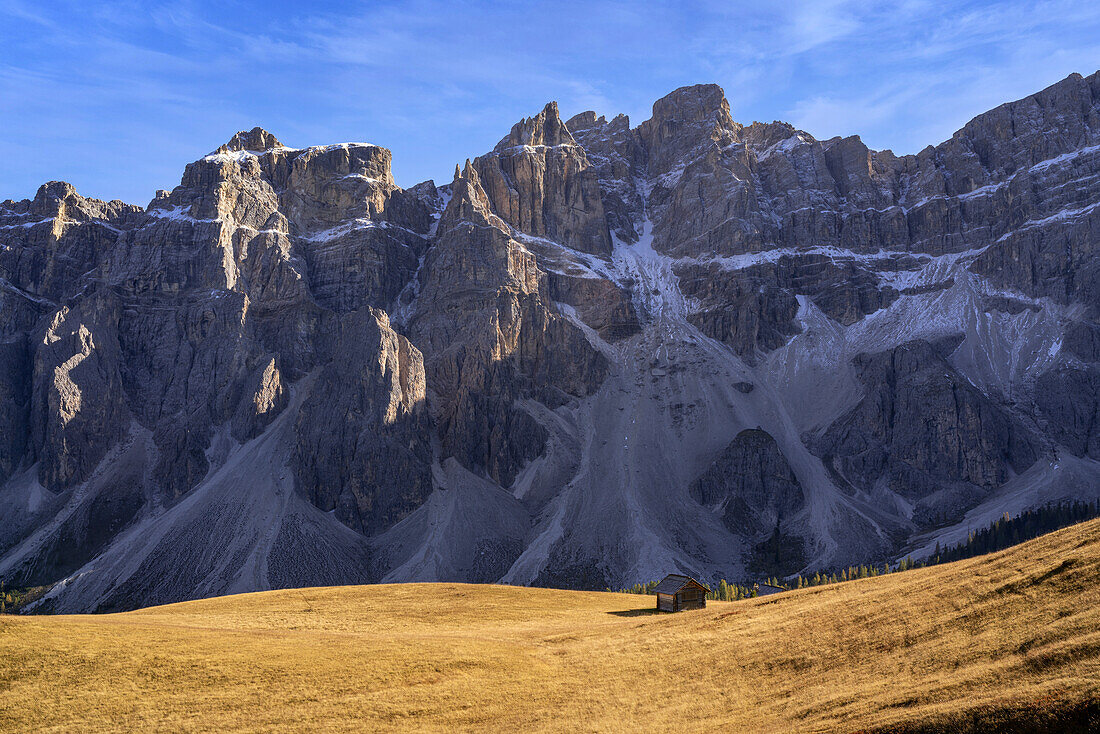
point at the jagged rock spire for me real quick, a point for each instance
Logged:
(545, 128)
(255, 139)
(469, 202)
(538, 179)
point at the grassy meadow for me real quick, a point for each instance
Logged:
(1006, 640)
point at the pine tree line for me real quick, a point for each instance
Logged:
(646, 588)
(1002, 533)
(722, 591)
(725, 591)
(851, 573)
(1009, 531)
(13, 600)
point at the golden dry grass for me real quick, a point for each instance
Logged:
(968, 645)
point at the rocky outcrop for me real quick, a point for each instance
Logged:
(256, 140)
(754, 307)
(53, 241)
(279, 223)
(616, 154)
(600, 303)
(78, 408)
(538, 179)
(265, 396)
(925, 433)
(750, 485)
(749, 313)
(490, 336)
(1068, 399)
(683, 121)
(363, 445)
(699, 173)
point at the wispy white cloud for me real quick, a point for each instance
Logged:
(933, 71)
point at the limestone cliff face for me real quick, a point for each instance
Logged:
(1002, 185)
(700, 172)
(278, 222)
(616, 154)
(15, 402)
(78, 410)
(538, 179)
(491, 337)
(50, 245)
(785, 189)
(599, 354)
(1068, 400)
(363, 439)
(751, 484)
(54, 239)
(924, 431)
(217, 296)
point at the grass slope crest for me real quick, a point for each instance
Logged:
(1004, 642)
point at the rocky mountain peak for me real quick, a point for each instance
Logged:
(256, 139)
(763, 135)
(469, 202)
(55, 190)
(1069, 106)
(539, 180)
(684, 121)
(51, 197)
(545, 128)
(695, 103)
(585, 121)
(61, 200)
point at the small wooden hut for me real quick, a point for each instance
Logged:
(676, 592)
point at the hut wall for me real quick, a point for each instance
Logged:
(692, 599)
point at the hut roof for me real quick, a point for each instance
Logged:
(674, 582)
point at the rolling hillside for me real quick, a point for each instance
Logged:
(1010, 637)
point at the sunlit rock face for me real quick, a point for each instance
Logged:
(601, 353)
(539, 180)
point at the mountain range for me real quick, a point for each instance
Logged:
(601, 353)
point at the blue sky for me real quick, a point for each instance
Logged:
(116, 97)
